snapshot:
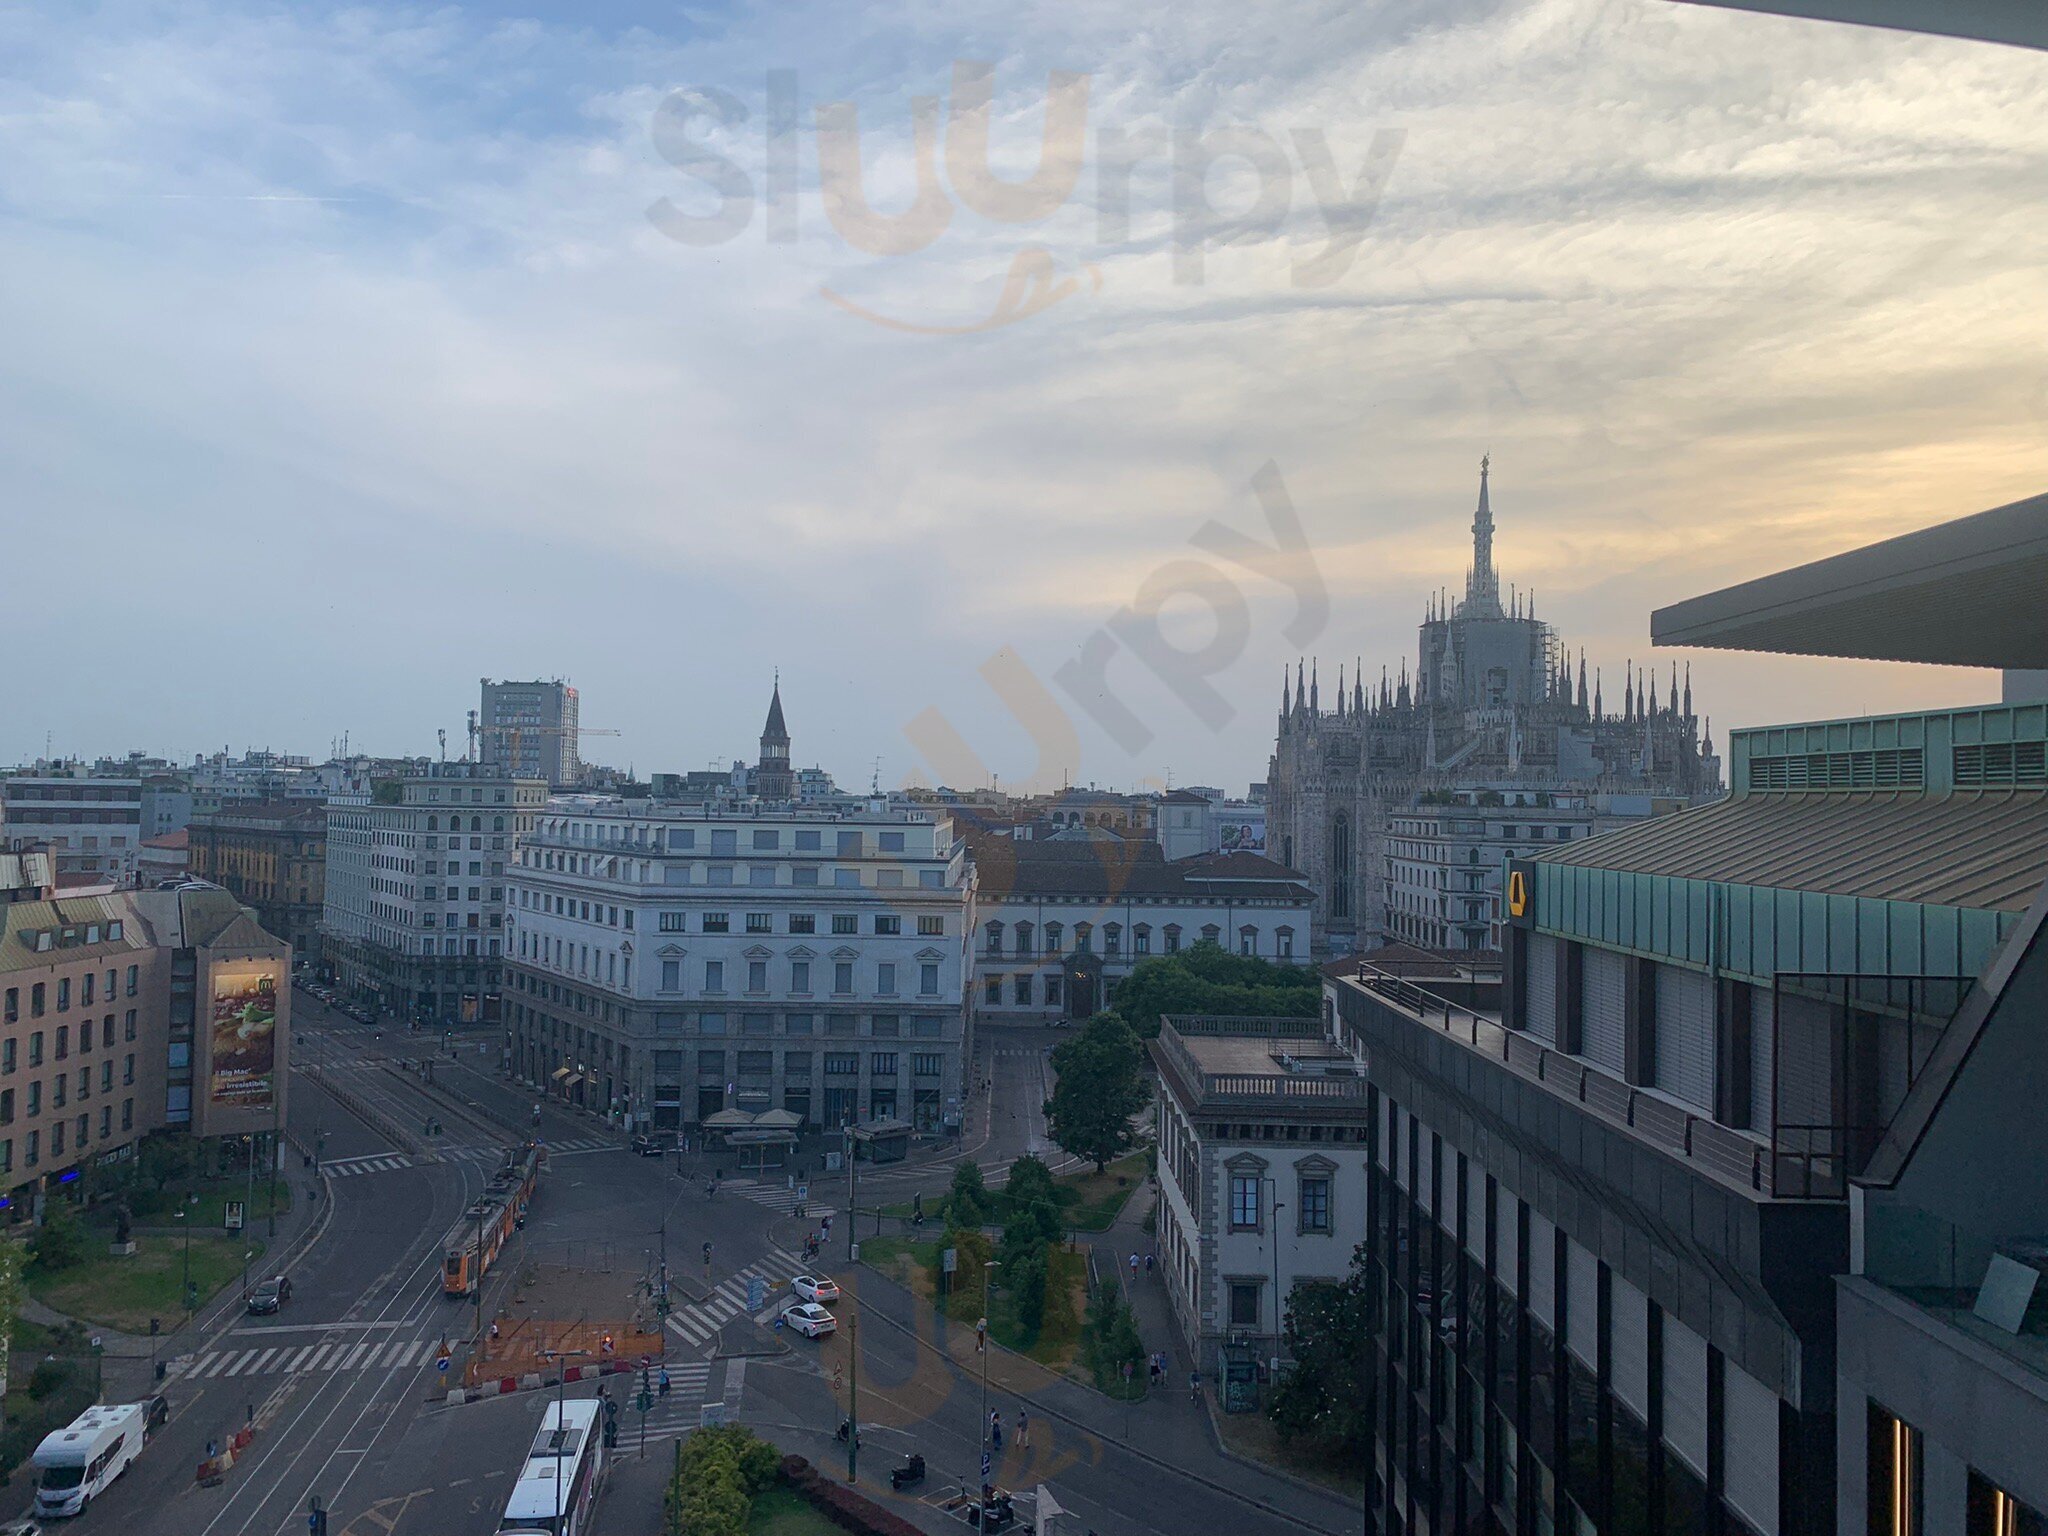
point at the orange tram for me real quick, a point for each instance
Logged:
(476, 1240)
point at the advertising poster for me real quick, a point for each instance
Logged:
(244, 1038)
(1244, 836)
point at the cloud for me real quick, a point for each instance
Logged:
(359, 314)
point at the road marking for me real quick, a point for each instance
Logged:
(319, 1355)
(412, 1349)
(353, 1355)
(265, 1360)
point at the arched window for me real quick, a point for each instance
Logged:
(1023, 938)
(434, 825)
(995, 938)
(476, 823)
(497, 823)
(1340, 866)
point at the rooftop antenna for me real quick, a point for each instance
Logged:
(444, 744)
(874, 779)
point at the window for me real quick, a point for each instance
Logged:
(991, 992)
(760, 922)
(807, 842)
(7, 1055)
(1172, 938)
(671, 975)
(927, 1064)
(1211, 934)
(803, 922)
(717, 922)
(6, 1106)
(1141, 939)
(931, 927)
(800, 976)
(1991, 1511)
(891, 842)
(885, 979)
(766, 837)
(132, 979)
(846, 879)
(35, 1001)
(849, 845)
(1084, 938)
(993, 933)
(12, 1011)
(1895, 1464)
(1054, 934)
(35, 1048)
(842, 1064)
(128, 1025)
(1052, 989)
(711, 1064)
(1314, 1203)
(1248, 941)
(761, 874)
(1244, 1200)
(1023, 938)
(63, 994)
(846, 922)
(1244, 1303)
(1021, 990)
(842, 976)
(725, 841)
(1284, 939)
(928, 978)
(803, 874)
(714, 975)
(888, 923)
(757, 975)
(128, 1068)
(672, 922)
(30, 1156)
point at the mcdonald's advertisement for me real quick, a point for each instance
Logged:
(243, 1038)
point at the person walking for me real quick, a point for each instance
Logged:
(995, 1431)
(1134, 1266)
(1023, 1429)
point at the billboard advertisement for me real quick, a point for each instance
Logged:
(1242, 833)
(243, 1030)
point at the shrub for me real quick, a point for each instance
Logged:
(46, 1378)
(967, 1201)
(844, 1507)
(59, 1243)
(718, 1472)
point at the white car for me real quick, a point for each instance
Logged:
(811, 1320)
(815, 1288)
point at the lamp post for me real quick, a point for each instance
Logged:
(981, 1343)
(247, 1255)
(1279, 1313)
(181, 1215)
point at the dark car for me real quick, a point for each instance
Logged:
(270, 1296)
(649, 1146)
(156, 1413)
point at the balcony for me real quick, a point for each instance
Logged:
(1734, 1158)
(1257, 1065)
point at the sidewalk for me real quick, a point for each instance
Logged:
(1167, 1429)
(126, 1372)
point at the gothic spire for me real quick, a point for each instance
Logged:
(1358, 685)
(1582, 678)
(1300, 697)
(1597, 709)
(1688, 690)
(1628, 689)
(1314, 701)
(1482, 583)
(1340, 690)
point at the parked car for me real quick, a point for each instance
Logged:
(156, 1413)
(811, 1320)
(649, 1146)
(269, 1296)
(815, 1288)
(21, 1528)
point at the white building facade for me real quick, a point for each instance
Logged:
(93, 824)
(670, 961)
(413, 914)
(1263, 1145)
(1061, 920)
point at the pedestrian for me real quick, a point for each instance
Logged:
(1155, 1372)
(1148, 1262)
(1134, 1266)
(664, 1381)
(1023, 1429)
(995, 1429)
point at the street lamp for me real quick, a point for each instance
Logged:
(1279, 1318)
(247, 1255)
(981, 1343)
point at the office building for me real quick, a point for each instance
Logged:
(530, 731)
(91, 824)
(272, 856)
(670, 961)
(1061, 919)
(128, 1013)
(1607, 1216)
(413, 918)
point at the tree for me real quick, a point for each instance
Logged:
(60, 1242)
(1100, 1087)
(967, 1199)
(1320, 1402)
(1204, 979)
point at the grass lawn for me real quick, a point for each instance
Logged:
(125, 1293)
(1089, 1202)
(778, 1511)
(915, 1264)
(1252, 1435)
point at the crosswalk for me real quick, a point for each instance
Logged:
(683, 1408)
(348, 1354)
(779, 1198)
(390, 1162)
(699, 1322)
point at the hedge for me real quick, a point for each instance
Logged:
(845, 1508)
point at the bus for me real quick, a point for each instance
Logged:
(82, 1458)
(475, 1240)
(558, 1483)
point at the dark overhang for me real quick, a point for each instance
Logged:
(2023, 23)
(1971, 593)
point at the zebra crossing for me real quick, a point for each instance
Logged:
(775, 1197)
(390, 1162)
(683, 1409)
(699, 1322)
(333, 1355)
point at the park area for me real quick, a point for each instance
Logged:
(125, 1291)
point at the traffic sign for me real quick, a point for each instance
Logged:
(441, 1365)
(757, 1294)
(644, 1403)
(987, 1464)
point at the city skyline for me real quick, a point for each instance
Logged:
(410, 382)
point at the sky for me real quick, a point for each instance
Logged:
(352, 355)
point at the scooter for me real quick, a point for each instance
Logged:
(845, 1428)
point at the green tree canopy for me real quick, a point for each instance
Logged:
(1204, 979)
(967, 1200)
(1320, 1402)
(1100, 1086)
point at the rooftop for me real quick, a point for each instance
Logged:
(1257, 1063)
(1119, 868)
(1898, 600)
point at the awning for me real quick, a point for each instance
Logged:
(559, 1073)
(727, 1119)
(572, 1080)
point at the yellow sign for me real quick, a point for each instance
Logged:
(1518, 893)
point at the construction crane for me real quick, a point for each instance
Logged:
(513, 733)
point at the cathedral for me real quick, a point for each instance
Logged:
(1493, 705)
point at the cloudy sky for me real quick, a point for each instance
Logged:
(350, 355)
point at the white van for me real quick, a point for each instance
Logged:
(77, 1461)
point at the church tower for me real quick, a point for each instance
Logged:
(1482, 584)
(773, 780)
